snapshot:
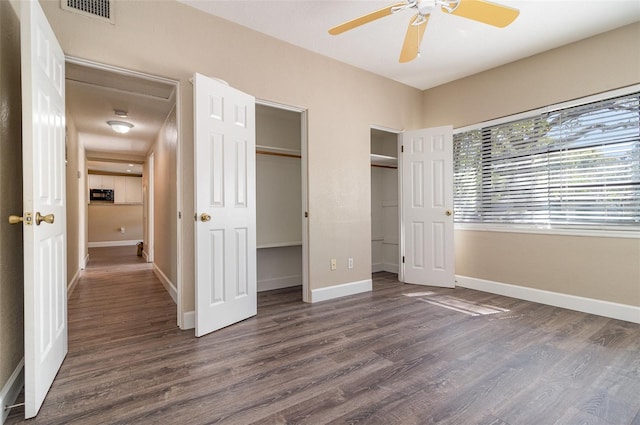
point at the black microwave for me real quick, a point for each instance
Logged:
(101, 195)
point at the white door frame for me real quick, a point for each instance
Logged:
(178, 212)
(304, 162)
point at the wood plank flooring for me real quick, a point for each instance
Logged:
(402, 354)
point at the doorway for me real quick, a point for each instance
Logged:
(138, 169)
(281, 197)
(385, 221)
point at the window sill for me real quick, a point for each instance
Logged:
(633, 233)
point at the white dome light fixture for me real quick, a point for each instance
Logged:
(120, 126)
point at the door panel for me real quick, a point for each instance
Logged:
(45, 282)
(427, 178)
(226, 281)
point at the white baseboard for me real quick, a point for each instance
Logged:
(391, 268)
(145, 256)
(337, 291)
(625, 312)
(11, 390)
(166, 282)
(72, 285)
(188, 320)
(384, 267)
(279, 283)
(112, 243)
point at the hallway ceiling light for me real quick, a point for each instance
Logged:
(121, 113)
(120, 126)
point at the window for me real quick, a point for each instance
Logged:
(576, 167)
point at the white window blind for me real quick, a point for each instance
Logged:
(575, 167)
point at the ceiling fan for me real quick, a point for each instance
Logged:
(477, 10)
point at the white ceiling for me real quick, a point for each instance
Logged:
(452, 48)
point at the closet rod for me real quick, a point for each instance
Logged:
(385, 166)
(288, 155)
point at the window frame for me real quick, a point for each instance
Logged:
(631, 232)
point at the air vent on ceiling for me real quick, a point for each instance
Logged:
(99, 9)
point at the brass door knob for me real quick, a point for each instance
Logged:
(205, 217)
(448, 212)
(16, 219)
(49, 218)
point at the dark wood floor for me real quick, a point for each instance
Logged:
(403, 354)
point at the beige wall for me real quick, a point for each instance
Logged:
(173, 40)
(105, 222)
(165, 190)
(601, 268)
(11, 268)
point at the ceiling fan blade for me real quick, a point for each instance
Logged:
(485, 12)
(412, 39)
(386, 11)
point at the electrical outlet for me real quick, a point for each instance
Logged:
(334, 264)
(350, 263)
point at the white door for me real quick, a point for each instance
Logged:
(427, 207)
(225, 190)
(43, 155)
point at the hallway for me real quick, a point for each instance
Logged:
(117, 301)
(116, 311)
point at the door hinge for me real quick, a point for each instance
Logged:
(179, 214)
(401, 148)
(403, 259)
(306, 214)
(195, 217)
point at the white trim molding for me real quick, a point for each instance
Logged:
(279, 282)
(188, 320)
(74, 281)
(166, 282)
(11, 390)
(112, 243)
(613, 310)
(384, 267)
(338, 291)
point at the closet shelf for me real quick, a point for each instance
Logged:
(278, 244)
(384, 161)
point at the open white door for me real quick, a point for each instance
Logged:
(225, 190)
(43, 156)
(427, 202)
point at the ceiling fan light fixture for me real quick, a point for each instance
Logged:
(120, 127)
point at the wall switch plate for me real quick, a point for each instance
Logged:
(334, 264)
(350, 263)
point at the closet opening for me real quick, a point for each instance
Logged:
(385, 220)
(281, 198)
